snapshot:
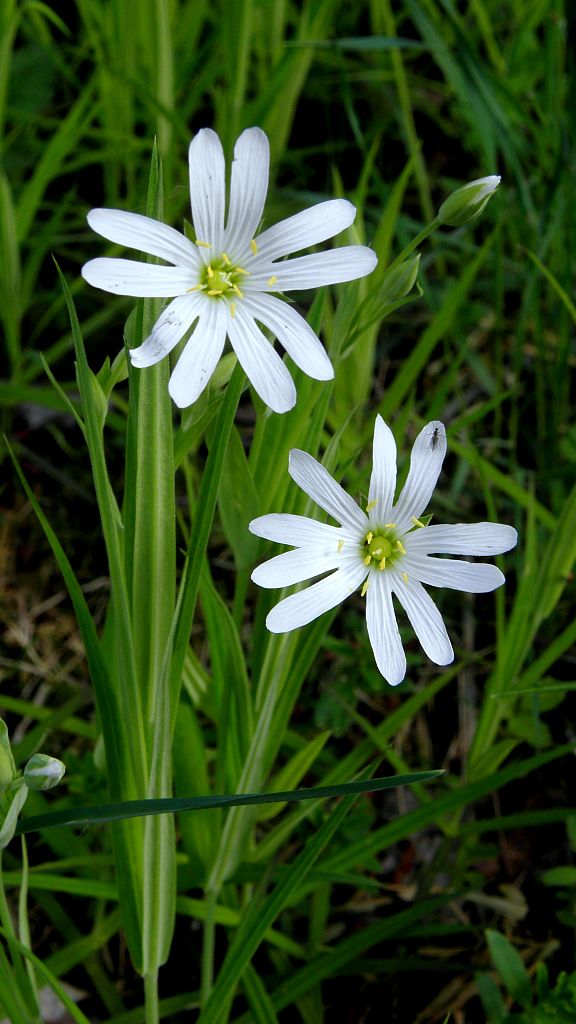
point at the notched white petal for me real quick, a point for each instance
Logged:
(170, 327)
(140, 280)
(263, 366)
(463, 539)
(298, 530)
(425, 464)
(295, 567)
(293, 333)
(470, 577)
(309, 227)
(425, 620)
(248, 187)
(332, 267)
(144, 233)
(301, 608)
(383, 629)
(383, 478)
(199, 358)
(207, 189)
(316, 481)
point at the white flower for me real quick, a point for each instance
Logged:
(386, 550)
(223, 282)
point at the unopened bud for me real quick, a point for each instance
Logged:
(43, 772)
(467, 203)
(400, 280)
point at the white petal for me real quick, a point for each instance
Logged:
(248, 187)
(330, 267)
(471, 577)
(299, 609)
(293, 333)
(322, 488)
(200, 356)
(460, 539)
(295, 567)
(425, 620)
(306, 228)
(170, 326)
(207, 189)
(263, 366)
(383, 479)
(425, 465)
(141, 280)
(298, 530)
(146, 234)
(383, 629)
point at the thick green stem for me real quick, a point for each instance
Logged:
(151, 997)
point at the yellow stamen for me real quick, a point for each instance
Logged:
(369, 537)
(365, 586)
(254, 247)
(209, 271)
(226, 259)
(240, 270)
(203, 245)
(196, 288)
(232, 309)
(236, 289)
(367, 560)
(382, 564)
(272, 280)
(371, 504)
(214, 291)
(417, 522)
(405, 577)
(400, 547)
(391, 525)
(340, 545)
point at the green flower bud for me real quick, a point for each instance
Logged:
(401, 279)
(467, 203)
(43, 772)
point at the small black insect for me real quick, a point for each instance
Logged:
(434, 439)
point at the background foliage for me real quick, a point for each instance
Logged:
(393, 105)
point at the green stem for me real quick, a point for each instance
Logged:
(151, 997)
(200, 533)
(208, 946)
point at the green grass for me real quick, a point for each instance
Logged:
(283, 910)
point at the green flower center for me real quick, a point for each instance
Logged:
(381, 548)
(220, 279)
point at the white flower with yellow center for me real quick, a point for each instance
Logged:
(386, 550)
(222, 283)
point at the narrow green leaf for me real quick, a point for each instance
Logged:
(138, 808)
(510, 967)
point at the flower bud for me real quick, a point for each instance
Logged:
(467, 203)
(43, 772)
(400, 280)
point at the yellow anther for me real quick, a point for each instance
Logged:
(272, 280)
(391, 525)
(400, 547)
(214, 291)
(232, 309)
(254, 247)
(405, 577)
(236, 289)
(340, 545)
(209, 271)
(382, 563)
(417, 522)
(203, 245)
(369, 537)
(365, 586)
(371, 504)
(367, 560)
(240, 270)
(196, 288)
(226, 259)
